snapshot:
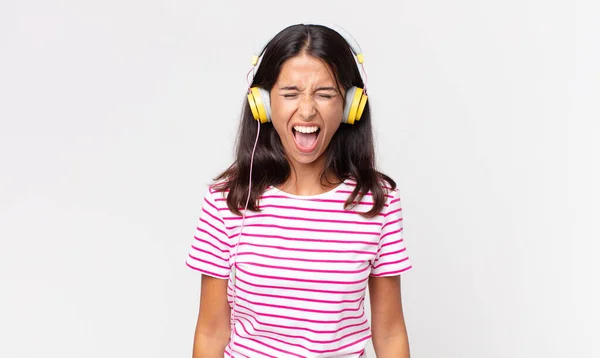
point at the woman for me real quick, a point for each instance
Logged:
(293, 232)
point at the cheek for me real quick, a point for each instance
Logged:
(332, 116)
(331, 129)
(281, 109)
(280, 128)
(280, 113)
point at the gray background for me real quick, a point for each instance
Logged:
(115, 115)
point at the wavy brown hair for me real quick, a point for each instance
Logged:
(351, 152)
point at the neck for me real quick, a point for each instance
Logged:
(308, 179)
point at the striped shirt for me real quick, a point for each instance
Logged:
(303, 266)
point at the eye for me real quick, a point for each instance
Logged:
(290, 95)
(327, 96)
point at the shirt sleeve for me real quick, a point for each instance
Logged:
(209, 252)
(392, 258)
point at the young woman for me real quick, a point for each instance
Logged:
(294, 231)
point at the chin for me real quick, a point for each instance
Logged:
(307, 158)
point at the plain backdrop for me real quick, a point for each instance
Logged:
(115, 115)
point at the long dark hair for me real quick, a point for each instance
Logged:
(351, 152)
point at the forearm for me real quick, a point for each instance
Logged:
(210, 345)
(391, 345)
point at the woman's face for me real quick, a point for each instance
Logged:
(306, 108)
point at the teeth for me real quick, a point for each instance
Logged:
(302, 129)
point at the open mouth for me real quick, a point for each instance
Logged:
(306, 137)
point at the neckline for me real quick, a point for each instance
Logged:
(329, 192)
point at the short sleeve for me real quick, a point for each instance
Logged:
(209, 252)
(392, 258)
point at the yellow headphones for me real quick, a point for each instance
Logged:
(356, 97)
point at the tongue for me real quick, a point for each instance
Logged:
(306, 139)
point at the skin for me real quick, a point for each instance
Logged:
(388, 327)
(305, 94)
(212, 328)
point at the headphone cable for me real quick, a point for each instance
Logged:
(232, 323)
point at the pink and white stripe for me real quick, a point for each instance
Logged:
(303, 268)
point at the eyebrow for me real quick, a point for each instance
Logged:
(295, 88)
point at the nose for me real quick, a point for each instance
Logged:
(306, 107)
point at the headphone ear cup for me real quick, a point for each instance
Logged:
(260, 104)
(266, 97)
(361, 106)
(252, 105)
(356, 100)
(348, 103)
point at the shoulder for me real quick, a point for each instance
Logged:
(382, 193)
(385, 184)
(391, 192)
(216, 193)
(219, 187)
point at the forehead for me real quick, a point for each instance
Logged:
(305, 70)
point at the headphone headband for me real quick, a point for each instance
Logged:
(350, 40)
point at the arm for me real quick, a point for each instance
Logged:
(390, 338)
(212, 329)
